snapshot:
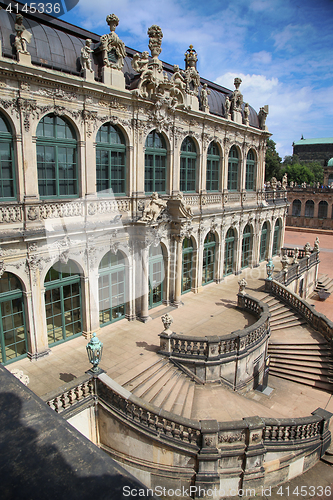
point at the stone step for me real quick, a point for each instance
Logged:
(142, 370)
(151, 387)
(301, 369)
(290, 323)
(314, 381)
(319, 350)
(282, 315)
(169, 400)
(184, 400)
(313, 363)
(328, 459)
(302, 345)
(278, 308)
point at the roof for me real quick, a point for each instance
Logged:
(303, 142)
(330, 163)
(56, 44)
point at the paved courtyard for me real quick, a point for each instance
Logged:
(128, 345)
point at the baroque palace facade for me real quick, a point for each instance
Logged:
(124, 182)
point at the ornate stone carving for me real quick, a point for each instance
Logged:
(191, 75)
(284, 182)
(57, 93)
(154, 209)
(22, 36)
(167, 321)
(231, 438)
(10, 214)
(262, 115)
(227, 106)
(242, 285)
(307, 249)
(204, 93)
(285, 263)
(295, 255)
(236, 102)
(85, 57)
(113, 48)
(90, 119)
(246, 114)
(316, 245)
(2, 267)
(20, 375)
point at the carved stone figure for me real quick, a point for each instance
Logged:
(273, 183)
(316, 245)
(307, 249)
(284, 262)
(140, 63)
(86, 56)
(237, 96)
(246, 113)
(227, 106)
(22, 36)
(204, 97)
(191, 74)
(291, 184)
(242, 285)
(153, 209)
(262, 115)
(167, 321)
(295, 255)
(284, 181)
(113, 48)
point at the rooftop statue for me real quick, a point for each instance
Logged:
(262, 115)
(237, 96)
(113, 48)
(86, 56)
(191, 74)
(204, 93)
(22, 36)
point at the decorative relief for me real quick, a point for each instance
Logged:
(2, 267)
(56, 210)
(10, 214)
(208, 441)
(154, 209)
(231, 438)
(57, 93)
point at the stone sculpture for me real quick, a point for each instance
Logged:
(113, 48)
(153, 209)
(85, 58)
(204, 98)
(22, 36)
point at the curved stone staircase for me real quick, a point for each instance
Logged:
(307, 361)
(162, 384)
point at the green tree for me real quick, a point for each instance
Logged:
(299, 173)
(272, 162)
(314, 167)
(318, 171)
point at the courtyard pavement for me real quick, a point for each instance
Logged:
(130, 345)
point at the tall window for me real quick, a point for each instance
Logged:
(309, 208)
(110, 159)
(7, 170)
(233, 166)
(187, 265)
(296, 208)
(229, 251)
(213, 167)
(322, 209)
(13, 339)
(111, 287)
(156, 276)
(263, 242)
(63, 302)
(276, 237)
(56, 158)
(188, 160)
(250, 171)
(155, 163)
(246, 246)
(208, 259)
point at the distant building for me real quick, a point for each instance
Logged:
(309, 150)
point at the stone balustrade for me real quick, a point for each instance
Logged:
(222, 358)
(295, 270)
(315, 319)
(73, 397)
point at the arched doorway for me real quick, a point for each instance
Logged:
(263, 242)
(63, 302)
(187, 265)
(13, 335)
(156, 276)
(276, 237)
(229, 252)
(208, 265)
(111, 288)
(246, 247)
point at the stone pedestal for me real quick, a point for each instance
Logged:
(192, 102)
(24, 59)
(237, 117)
(88, 75)
(113, 78)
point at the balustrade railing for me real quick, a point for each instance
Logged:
(71, 397)
(304, 263)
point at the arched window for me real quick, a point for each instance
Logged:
(246, 246)
(229, 252)
(208, 259)
(110, 159)
(296, 208)
(309, 208)
(156, 275)
(213, 167)
(63, 302)
(155, 163)
(7, 169)
(56, 158)
(13, 338)
(322, 209)
(276, 237)
(188, 161)
(111, 288)
(187, 265)
(250, 174)
(233, 165)
(263, 242)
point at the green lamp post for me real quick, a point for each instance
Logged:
(94, 351)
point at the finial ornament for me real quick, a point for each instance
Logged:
(113, 48)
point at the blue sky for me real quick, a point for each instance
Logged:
(281, 49)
